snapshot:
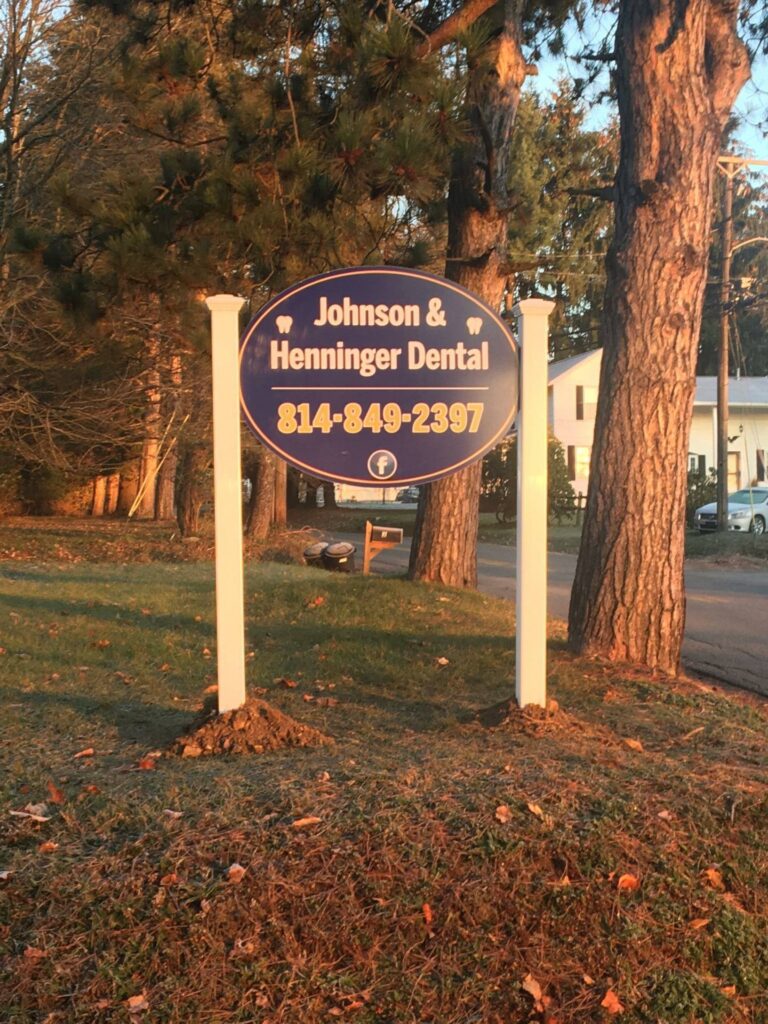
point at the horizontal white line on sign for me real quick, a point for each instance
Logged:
(357, 388)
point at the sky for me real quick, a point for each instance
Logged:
(751, 106)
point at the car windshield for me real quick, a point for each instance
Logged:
(748, 497)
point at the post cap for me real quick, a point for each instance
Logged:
(225, 303)
(533, 307)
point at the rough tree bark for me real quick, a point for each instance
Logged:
(680, 68)
(150, 454)
(261, 507)
(280, 516)
(189, 490)
(444, 547)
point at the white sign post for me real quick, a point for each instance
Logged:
(228, 499)
(531, 589)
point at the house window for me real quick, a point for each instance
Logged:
(697, 464)
(761, 475)
(578, 458)
(586, 402)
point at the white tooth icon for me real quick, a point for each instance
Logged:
(284, 324)
(474, 323)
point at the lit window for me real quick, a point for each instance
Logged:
(586, 402)
(579, 457)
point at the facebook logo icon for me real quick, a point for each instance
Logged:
(382, 465)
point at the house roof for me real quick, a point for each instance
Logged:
(741, 391)
(562, 366)
(744, 391)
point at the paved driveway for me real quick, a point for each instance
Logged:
(726, 633)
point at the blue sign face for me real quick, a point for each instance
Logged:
(378, 376)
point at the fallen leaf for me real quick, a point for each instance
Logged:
(323, 776)
(206, 652)
(427, 912)
(309, 699)
(289, 684)
(535, 809)
(55, 794)
(33, 953)
(699, 922)
(103, 644)
(165, 667)
(327, 702)
(235, 873)
(315, 602)
(174, 815)
(634, 745)
(503, 813)
(611, 1002)
(442, 661)
(146, 764)
(305, 822)
(47, 847)
(169, 879)
(665, 815)
(587, 980)
(533, 988)
(88, 752)
(628, 883)
(90, 788)
(715, 879)
(728, 990)
(137, 1004)
(213, 688)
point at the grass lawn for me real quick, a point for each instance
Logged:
(607, 863)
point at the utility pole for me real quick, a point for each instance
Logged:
(722, 368)
(730, 167)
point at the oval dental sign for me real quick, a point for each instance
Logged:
(378, 375)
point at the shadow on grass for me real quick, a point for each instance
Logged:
(149, 725)
(114, 612)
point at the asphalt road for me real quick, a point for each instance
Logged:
(726, 633)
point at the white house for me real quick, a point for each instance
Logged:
(573, 385)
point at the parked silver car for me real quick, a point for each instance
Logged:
(747, 512)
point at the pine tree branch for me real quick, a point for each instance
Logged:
(447, 30)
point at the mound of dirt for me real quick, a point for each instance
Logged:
(532, 719)
(254, 728)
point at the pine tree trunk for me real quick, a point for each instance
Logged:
(280, 517)
(150, 454)
(189, 492)
(329, 495)
(129, 487)
(113, 491)
(444, 546)
(165, 505)
(262, 504)
(98, 500)
(679, 71)
(166, 486)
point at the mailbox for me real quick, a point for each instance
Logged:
(379, 538)
(391, 534)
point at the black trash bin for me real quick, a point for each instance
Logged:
(313, 555)
(340, 557)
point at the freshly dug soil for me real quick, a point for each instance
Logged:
(254, 728)
(531, 719)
